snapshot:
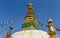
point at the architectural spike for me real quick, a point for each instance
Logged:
(51, 31)
(9, 35)
(30, 20)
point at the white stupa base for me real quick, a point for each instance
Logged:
(31, 34)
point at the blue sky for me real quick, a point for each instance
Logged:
(43, 9)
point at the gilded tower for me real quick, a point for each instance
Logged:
(30, 22)
(51, 32)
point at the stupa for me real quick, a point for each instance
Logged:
(30, 27)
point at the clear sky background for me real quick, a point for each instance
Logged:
(43, 9)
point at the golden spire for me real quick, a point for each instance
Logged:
(51, 31)
(30, 6)
(30, 17)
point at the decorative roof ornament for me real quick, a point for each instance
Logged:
(9, 35)
(50, 20)
(30, 21)
(51, 31)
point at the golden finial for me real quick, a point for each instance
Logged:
(50, 20)
(30, 3)
(30, 6)
(51, 28)
(9, 33)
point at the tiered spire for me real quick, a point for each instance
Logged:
(51, 31)
(30, 20)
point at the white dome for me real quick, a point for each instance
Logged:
(30, 34)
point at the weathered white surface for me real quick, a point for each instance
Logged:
(30, 34)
